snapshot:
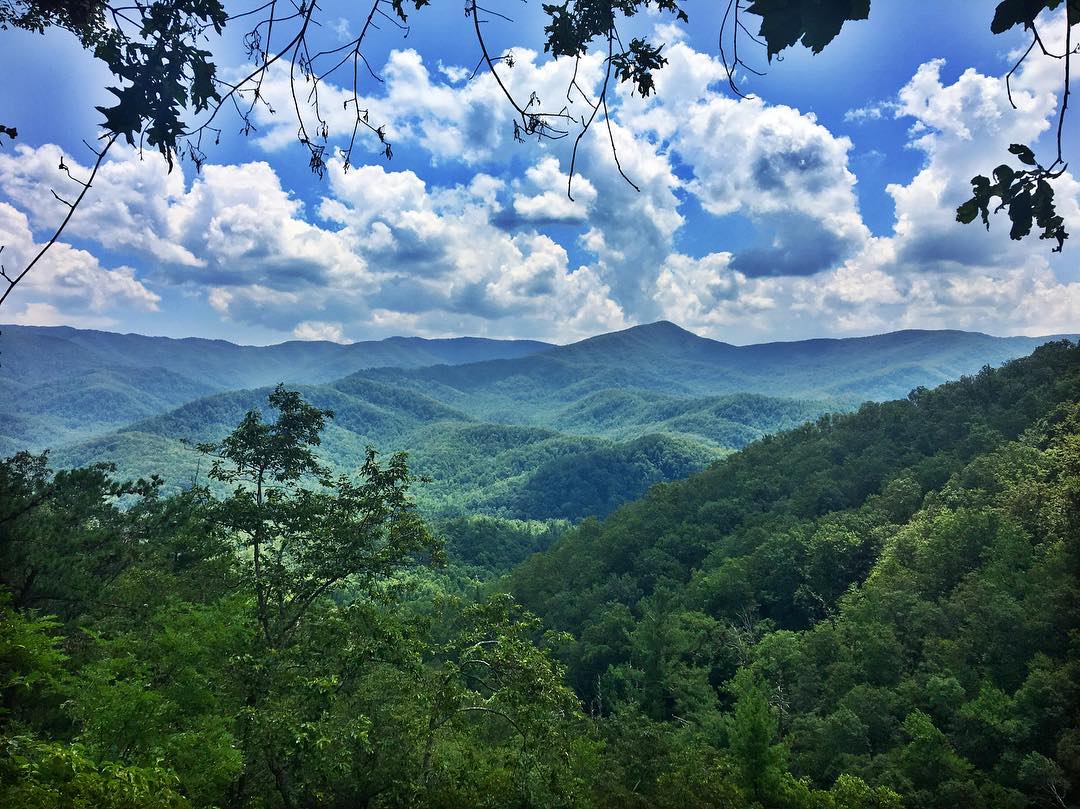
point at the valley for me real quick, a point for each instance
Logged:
(513, 429)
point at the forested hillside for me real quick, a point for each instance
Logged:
(34, 354)
(877, 610)
(661, 357)
(530, 432)
(64, 385)
(895, 590)
(476, 467)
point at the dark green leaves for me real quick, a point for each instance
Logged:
(1010, 13)
(399, 7)
(575, 24)
(154, 55)
(637, 64)
(162, 72)
(1017, 12)
(303, 531)
(813, 22)
(1027, 196)
(1024, 153)
(282, 451)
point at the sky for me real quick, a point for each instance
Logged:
(821, 206)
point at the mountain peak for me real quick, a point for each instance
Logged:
(660, 327)
(662, 341)
(661, 330)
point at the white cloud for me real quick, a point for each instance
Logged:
(317, 330)
(548, 200)
(67, 283)
(128, 206)
(870, 112)
(459, 121)
(390, 252)
(439, 251)
(932, 272)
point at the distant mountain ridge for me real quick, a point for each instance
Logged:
(227, 366)
(666, 358)
(519, 429)
(66, 383)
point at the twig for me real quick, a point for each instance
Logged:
(12, 282)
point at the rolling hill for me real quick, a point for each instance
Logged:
(35, 354)
(70, 384)
(898, 585)
(475, 467)
(528, 431)
(662, 357)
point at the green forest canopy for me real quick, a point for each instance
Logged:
(878, 609)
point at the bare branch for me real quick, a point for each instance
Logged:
(72, 206)
(531, 123)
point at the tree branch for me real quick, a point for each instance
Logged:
(72, 206)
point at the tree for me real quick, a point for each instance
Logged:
(300, 542)
(64, 538)
(302, 536)
(47, 775)
(490, 674)
(169, 95)
(752, 728)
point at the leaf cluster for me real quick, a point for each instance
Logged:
(1011, 13)
(574, 25)
(164, 70)
(1026, 194)
(814, 23)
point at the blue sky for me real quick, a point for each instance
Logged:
(822, 207)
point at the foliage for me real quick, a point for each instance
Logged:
(813, 23)
(304, 542)
(1027, 194)
(496, 544)
(862, 587)
(878, 610)
(255, 649)
(162, 70)
(47, 775)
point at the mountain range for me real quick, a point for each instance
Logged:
(512, 428)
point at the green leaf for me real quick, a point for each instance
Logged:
(1004, 175)
(1024, 153)
(967, 212)
(1011, 13)
(1020, 212)
(815, 23)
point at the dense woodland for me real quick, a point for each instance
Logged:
(878, 609)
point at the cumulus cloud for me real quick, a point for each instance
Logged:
(440, 251)
(772, 164)
(452, 120)
(544, 196)
(128, 206)
(870, 112)
(509, 254)
(959, 276)
(931, 272)
(67, 285)
(317, 330)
